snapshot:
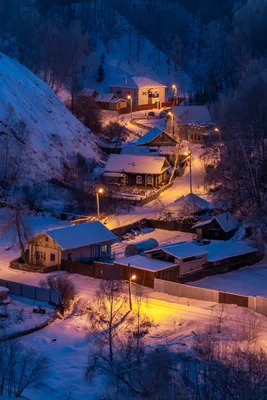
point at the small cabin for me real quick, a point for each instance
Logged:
(109, 101)
(78, 243)
(220, 227)
(134, 170)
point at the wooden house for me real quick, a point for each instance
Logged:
(220, 227)
(141, 89)
(109, 101)
(156, 137)
(77, 243)
(193, 123)
(136, 170)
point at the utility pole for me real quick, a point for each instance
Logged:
(129, 97)
(130, 278)
(99, 191)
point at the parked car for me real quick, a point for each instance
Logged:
(163, 114)
(151, 114)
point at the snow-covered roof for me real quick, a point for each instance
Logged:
(75, 236)
(192, 115)
(105, 97)
(145, 263)
(3, 289)
(183, 249)
(151, 135)
(136, 164)
(116, 100)
(192, 200)
(219, 250)
(226, 221)
(138, 82)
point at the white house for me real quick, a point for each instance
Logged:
(141, 89)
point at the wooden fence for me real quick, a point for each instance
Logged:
(170, 225)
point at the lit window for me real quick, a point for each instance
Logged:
(104, 249)
(139, 180)
(149, 180)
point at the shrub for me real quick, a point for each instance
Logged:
(63, 284)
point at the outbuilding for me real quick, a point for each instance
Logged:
(140, 247)
(146, 269)
(219, 227)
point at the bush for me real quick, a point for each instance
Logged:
(63, 284)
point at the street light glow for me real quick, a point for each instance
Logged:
(100, 190)
(174, 86)
(216, 130)
(133, 277)
(170, 113)
(129, 97)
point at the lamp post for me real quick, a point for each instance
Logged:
(218, 131)
(130, 279)
(174, 88)
(170, 114)
(129, 97)
(98, 192)
(188, 153)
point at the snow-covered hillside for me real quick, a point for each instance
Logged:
(53, 131)
(128, 55)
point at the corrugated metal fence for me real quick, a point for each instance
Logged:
(32, 292)
(255, 303)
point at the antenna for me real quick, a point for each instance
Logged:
(126, 79)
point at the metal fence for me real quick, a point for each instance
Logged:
(255, 303)
(32, 292)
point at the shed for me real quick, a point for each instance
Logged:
(219, 227)
(146, 269)
(140, 247)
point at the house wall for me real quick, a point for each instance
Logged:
(213, 231)
(124, 92)
(157, 180)
(118, 105)
(144, 99)
(139, 95)
(190, 266)
(45, 246)
(193, 133)
(87, 253)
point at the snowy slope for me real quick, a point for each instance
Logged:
(118, 64)
(53, 130)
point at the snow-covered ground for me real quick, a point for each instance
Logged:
(21, 317)
(175, 320)
(248, 281)
(53, 131)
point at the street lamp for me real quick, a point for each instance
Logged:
(188, 153)
(98, 192)
(129, 97)
(220, 136)
(174, 88)
(170, 114)
(130, 279)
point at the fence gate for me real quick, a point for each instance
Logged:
(230, 298)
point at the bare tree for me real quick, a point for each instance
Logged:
(63, 284)
(107, 317)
